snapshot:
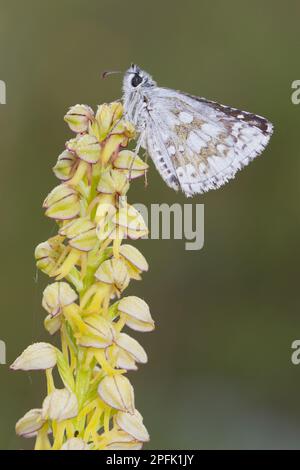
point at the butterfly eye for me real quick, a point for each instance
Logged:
(137, 79)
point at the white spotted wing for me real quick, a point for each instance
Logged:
(198, 145)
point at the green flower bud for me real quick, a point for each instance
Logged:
(124, 360)
(113, 181)
(62, 203)
(65, 166)
(56, 296)
(98, 333)
(131, 347)
(30, 423)
(135, 261)
(130, 164)
(60, 405)
(136, 313)
(117, 392)
(37, 356)
(107, 115)
(114, 272)
(120, 440)
(81, 233)
(47, 254)
(131, 221)
(133, 425)
(78, 117)
(88, 149)
(52, 324)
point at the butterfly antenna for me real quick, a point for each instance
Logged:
(106, 73)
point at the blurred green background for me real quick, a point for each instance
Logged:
(219, 372)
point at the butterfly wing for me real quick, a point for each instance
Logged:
(198, 145)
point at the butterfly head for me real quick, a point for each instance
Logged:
(135, 79)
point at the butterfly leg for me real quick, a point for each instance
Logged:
(145, 176)
(136, 151)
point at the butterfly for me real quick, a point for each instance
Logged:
(196, 144)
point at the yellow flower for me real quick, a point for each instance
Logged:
(91, 268)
